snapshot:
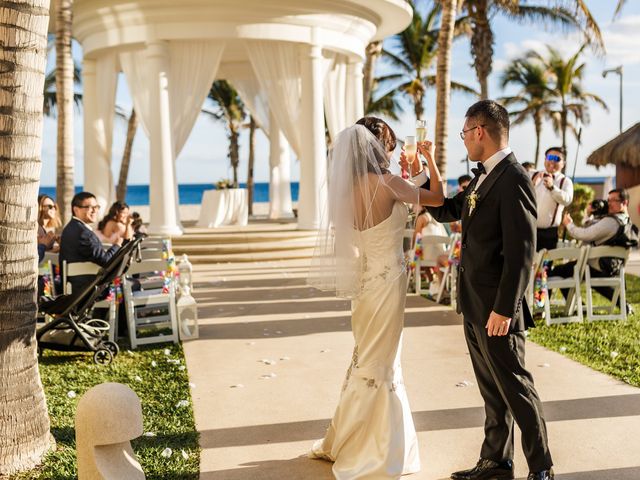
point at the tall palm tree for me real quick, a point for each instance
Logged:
(24, 422)
(414, 52)
(50, 102)
(231, 110)
(443, 82)
(64, 101)
(372, 54)
(569, 98)
(534, 98)
(621, 3)
(481, 12)
(252, 155)
(132, 127)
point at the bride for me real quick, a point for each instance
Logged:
(359, 256)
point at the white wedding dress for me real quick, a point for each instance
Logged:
(372, 435)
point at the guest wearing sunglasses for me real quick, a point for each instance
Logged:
(49, 221)
(79, 243)
(554, 191)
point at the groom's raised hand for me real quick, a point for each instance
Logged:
(498, 325)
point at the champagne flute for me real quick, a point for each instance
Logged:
(421, 130)
(410, 148)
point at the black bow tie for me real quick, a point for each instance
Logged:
(479, 170)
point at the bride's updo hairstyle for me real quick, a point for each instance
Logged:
(384, 134)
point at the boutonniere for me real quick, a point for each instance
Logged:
(472, 198)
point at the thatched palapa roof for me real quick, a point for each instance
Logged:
(624, 149)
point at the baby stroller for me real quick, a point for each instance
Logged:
(72, 328)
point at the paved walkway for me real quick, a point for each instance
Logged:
(257, 420)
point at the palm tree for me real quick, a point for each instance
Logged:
(534, 97)
(372, 54)
(481, 12)
(132, 127)
(24, 422)
(443, 82)
(231, 110)
(252, 135)
(50, 102)
(416, 49)
(569, 97)
(387, 105)
(621, 3)
(64, 101)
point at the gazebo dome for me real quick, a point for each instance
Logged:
(293, 62)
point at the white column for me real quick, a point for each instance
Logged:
(162, 186)
(313, 164)
(355, 76)
(97, 168)
(280, 205)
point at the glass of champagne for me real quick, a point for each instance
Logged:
(410, 149)
(421, 130)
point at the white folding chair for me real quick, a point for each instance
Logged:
(449, 273)
(88, 268)
(141, 305)
(409, 254)
(616, 282)
(574, 298)
(428, 241)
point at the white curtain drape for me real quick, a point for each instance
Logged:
(106, 83)
(254, 98)
(193, 68)
(335, 94)
(138, 80)
(277, 67)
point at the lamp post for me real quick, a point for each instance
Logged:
(617, 70)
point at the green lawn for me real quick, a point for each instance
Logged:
(161, 388)
(612, 347)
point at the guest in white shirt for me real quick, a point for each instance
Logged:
(554, 192)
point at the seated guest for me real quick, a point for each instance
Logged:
(137, 224)
(614, 229)
(48, 220)
(79, 243)
(115, 224)
(463, 182)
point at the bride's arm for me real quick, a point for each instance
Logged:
(407, 192)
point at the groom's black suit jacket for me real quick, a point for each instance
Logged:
(497, 245)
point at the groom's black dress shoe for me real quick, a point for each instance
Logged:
(487, 470)
(543, 475)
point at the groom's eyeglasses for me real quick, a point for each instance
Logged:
(553, 158)
(463, 133)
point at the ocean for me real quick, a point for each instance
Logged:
(191, 193)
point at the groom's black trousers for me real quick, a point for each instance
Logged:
(508, 393)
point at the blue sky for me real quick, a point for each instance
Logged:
(204, 157)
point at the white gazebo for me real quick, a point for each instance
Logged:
(294, 62)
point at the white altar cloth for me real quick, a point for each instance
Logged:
(224, 207)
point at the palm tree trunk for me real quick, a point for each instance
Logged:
(24, 422)
(418, 105)
(537, 122)
(563, 126)
(234, 156)
(64, 101)
(373, 52)
(443, 82)
(482, 46)
(252, 134)
(132, 127)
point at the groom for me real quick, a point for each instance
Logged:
(498, 213)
